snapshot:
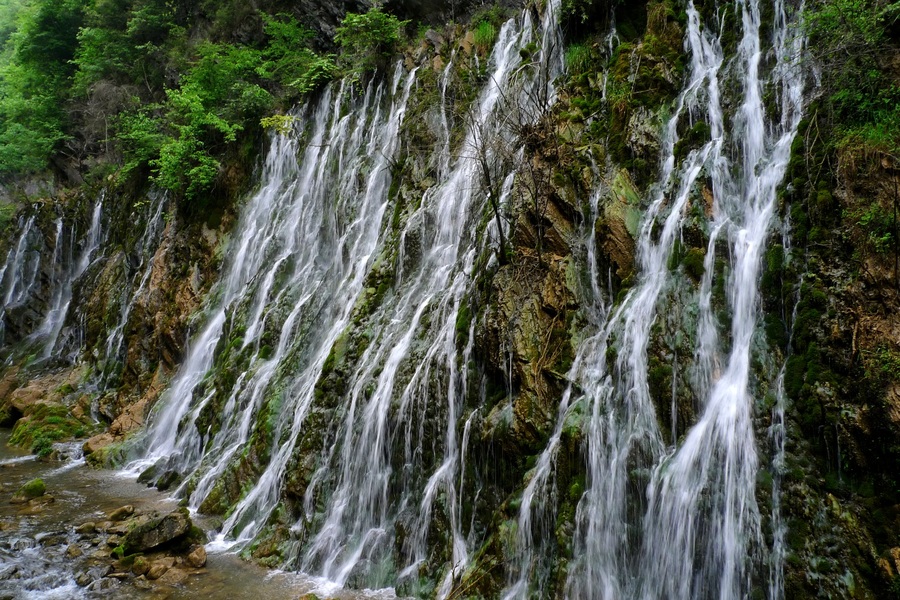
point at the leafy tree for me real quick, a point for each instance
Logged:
(34, 83)
(369, 39)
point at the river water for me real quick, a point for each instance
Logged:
(34, 539)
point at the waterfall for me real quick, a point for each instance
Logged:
(146, 251)
(21, 267)
(51, 327)
(304, 244)
(19, 273)
(662, 518)
(295, 281)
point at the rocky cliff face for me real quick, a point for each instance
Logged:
(473, 373)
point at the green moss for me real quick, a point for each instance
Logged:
(33, 489)
(42, 426)
(695, 137)
(692, 262)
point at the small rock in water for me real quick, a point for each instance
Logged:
(21, 544)
(73, 551)
(173, 576)
(121, 513)
(157, 570)
(140, 566)
(86, 528)
(8, 571)
(103, 584)
(85, 578)
(118, 529)
(33, 489)
(53, 540)
(196, 558)
(141, 583)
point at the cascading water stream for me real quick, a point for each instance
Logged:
(51, 327)
(294, 281)
(288, 230)
(146, 252)
(19, 272)
(21, 267)
(681, 521)
(393, 386)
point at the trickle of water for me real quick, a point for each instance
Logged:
(69, 272)
(131, 293)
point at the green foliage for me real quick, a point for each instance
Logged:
(288, 59)
(883, 364)
(485, 34)
(578, 59)
(850, 37)
(281, 124)
(147, 83)
(581, 10)
(368, 40)
(878, 225)
(34, 81)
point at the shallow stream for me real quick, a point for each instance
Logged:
(35, 540)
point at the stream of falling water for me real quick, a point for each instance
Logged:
(679, 520)
(135, 286)
(304, 245)
(19, 272)
(63, 266)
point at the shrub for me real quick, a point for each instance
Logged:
(368, 40)
(485, 34)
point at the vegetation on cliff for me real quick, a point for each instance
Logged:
(170, 90)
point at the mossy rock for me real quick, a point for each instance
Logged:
(33, 489)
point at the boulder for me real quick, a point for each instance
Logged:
(157, 532)
(97, 443)
(86, 528)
